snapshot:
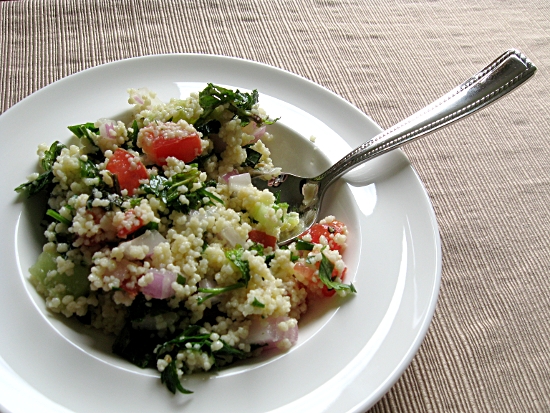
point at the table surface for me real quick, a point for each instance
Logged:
(488, 176)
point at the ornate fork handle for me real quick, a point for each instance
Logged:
(503, 75)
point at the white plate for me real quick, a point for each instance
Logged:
(350, 351)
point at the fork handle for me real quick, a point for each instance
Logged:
(503, 75)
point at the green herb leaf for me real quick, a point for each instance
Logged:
(325, 274)
(212, 292)
(168, 190)
(88, 169)
(133, 135)
(211, 127)
(302, 245)
(57, 216)
(85, 130)
(237, 102)
(257, 303)
(169, 377)
(235, 256)
(259, 248)
(51, 155)
(252, 157)
(44, 182)
(150, 226)
(81, 130)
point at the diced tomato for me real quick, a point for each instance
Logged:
(128, 169)
(132, 292)
(310, 280)
(97, 214)
(307, 273)
(328, 231)
(326, 292)
(159, 147)
(121, 272)
(261, 237)
(131, 224)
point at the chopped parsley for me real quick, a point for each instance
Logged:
(192, 338)
(257, 303)
(260, 250)
(86, 131)
(325, 274)
(44, 182)
(169, 377)
(235, 256)
(132, 135)
(293, 257)
(212, 292)
(88, 169)
(241, 104)
(168, 190)
(302, 245)
(58, 217)
(252, 157)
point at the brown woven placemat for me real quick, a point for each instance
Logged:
(488, 177)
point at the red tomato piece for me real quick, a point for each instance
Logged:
(128, 169)
(329, 293)
(131, 224)
(261, 237)
(326, 292)
(158, 146)
(328, 231)
(308, 273)
(97, 214)
(132, 292)
(305, 271)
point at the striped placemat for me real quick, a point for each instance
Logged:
(488, 176)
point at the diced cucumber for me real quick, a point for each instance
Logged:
(292, 220)
(264, 215)
(76, 285)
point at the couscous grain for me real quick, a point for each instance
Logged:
(155, 234)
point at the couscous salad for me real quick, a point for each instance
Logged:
(155, 234)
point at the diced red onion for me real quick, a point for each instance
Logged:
(161, 286)
(229, 175)
(237, 182)
(258, 133)
(231, 235)
(267, 331)
(138, 99)
(149, 238)
(120, 270)
(105, 128)
(207, 283)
